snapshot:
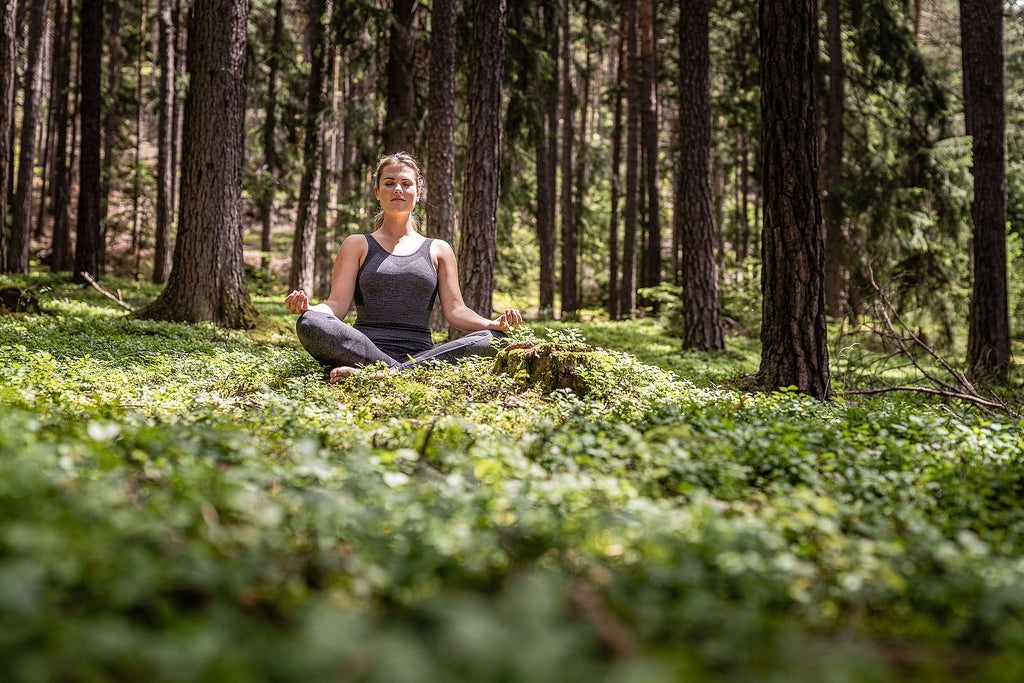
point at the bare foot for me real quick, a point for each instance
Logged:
(343, 372)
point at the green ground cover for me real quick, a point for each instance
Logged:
(183, 503)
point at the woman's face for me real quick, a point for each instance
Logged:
(397, 189)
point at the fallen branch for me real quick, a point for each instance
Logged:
(979, 401)
(116, 299)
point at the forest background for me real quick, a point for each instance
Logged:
(597, 199)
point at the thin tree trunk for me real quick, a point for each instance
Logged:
(139, 124)
(269, 131)
(570, 278)
(614, 298)
(113, 113)
(649, 132)
(702, 324)
(61, 257)
(89, 242)
(165, 143)
(21, 228)
(835, 239)
(303, 268)
(481, 182)
(793, 334)
(981, 34)
(401, 124)
(441, 130)
(632, 165)
(207, 280)
(8, 66)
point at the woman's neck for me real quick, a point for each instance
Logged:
(398, 226)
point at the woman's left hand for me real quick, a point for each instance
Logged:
(509, 320)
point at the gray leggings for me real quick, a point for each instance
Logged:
(335, 343)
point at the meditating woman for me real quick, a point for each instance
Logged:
(393, 274)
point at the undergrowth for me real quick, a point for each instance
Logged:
(184, 503)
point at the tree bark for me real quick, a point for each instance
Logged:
(570, 278)
(441, 130)
(981, 34)
(207, 280)
(546, 158)
(702, 324)
(8, 67)
(614, 280)
(303, 266)
(483, 160)
(835, 238)
(401, 123)
(61, 257)
(631, 209)
(21, 227)
(649, 142)
(89, 240)
(165, 143)
(793, 333)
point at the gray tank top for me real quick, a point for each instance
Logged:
(394, 296)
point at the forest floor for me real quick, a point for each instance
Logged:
(186, 503)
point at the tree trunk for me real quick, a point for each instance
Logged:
(441, 130)
(401, 123)
(835, 239)
(207, 280)
(89, 241)
(483, 157)
(570, 278)
(793, 333)
(304, 245)
(614, 281)
(8, 67)
(630, 219)
(113, 113)
(165, 143)
(546, 157)
(61, 257)
(269, 131)
(649, 133)
(21, 227)
(702, 324)
(981, 34)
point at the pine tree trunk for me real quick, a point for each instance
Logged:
(61, 258)
(207, 280)
(401, 123)
(793, 333)
(546, 158)
(113, 112)
(981, 32)
(614, 280)
(702, 324)
(835, 239)
(441, 130)
(483, 156)
(303, 268)
(165, 143)
(21, 227)
(8, 66)
(89, 240)
(649, 133)
(631, 209)
(570, 283)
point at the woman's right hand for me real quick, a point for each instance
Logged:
(297, 302)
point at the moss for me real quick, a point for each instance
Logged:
(548, 366)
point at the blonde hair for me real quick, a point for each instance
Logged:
(397, 159)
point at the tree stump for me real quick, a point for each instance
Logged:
(18, 300)
(548, 366)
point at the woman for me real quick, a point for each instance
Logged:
(393, 275)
